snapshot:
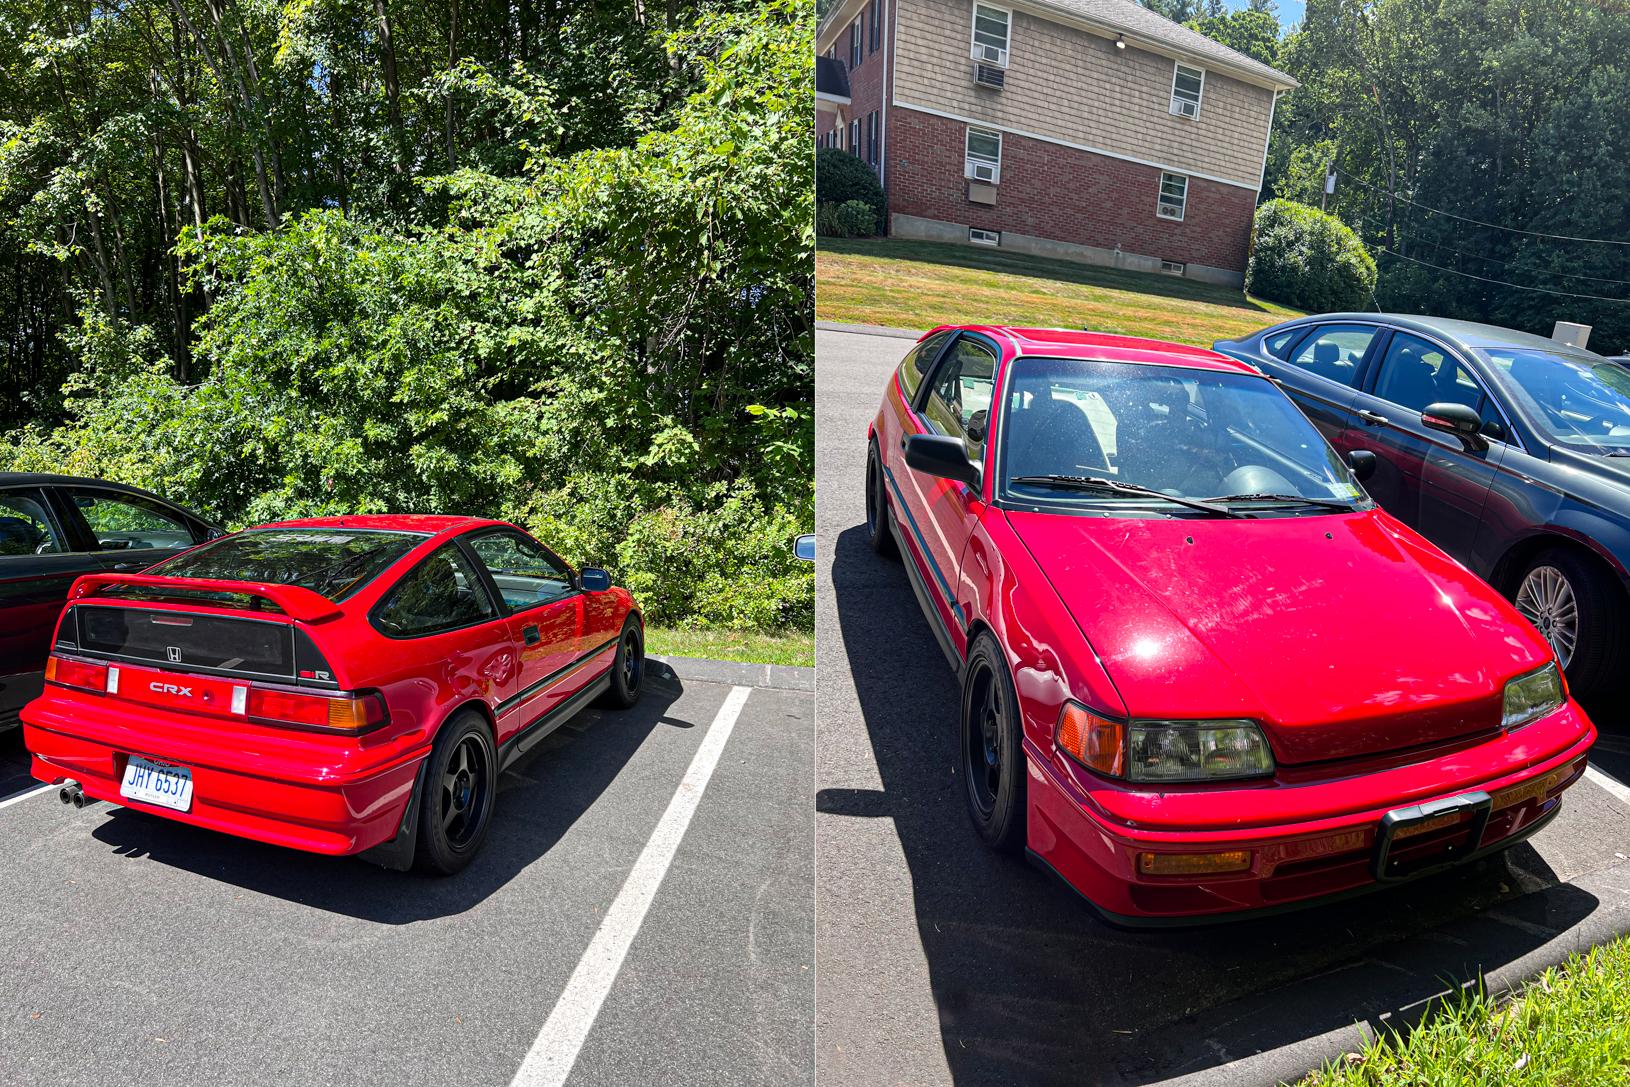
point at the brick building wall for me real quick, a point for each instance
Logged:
(866, 83)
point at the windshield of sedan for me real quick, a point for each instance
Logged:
(1182, 432)
(1579, 400)
(335, 562)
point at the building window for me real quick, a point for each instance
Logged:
(875, 31)
(855, 42)
(984, 237)
(1172, 267)
(984, 156)
(1174, 196)
(990, 34)
(874, 127)
(854, 137)
(1187, 86)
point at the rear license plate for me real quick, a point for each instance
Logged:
(156, 783)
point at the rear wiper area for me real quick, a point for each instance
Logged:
(1115, 486)
(1326, 503)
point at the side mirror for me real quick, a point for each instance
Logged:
(1362, 462)
(804, 547)
(942, 456)
(592, 579)
(1456, 419)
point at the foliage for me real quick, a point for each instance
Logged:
(790, 647)
(850, 219)
(840, 177)
(1304, 258)
(1254, 32)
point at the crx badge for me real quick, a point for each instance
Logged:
(173, 652)
(171, 688)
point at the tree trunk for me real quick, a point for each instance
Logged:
(452, 61)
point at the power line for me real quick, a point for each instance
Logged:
(1501, 282)
(1479, 222)
(1505, 263)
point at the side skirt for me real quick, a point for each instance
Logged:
(534, 733)
(908, 559)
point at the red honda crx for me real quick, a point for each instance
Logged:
(1202, 673)
(339, 685)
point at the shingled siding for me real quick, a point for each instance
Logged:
(1070, 85)
(1061, 194)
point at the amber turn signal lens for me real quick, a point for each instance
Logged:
(1093, 741)
(1193, 864)
(68, 673)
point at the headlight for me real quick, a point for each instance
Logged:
(1530, 697)
(1163, 750)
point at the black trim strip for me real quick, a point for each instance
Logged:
(524, 740)
(919, 588)
(553, 677)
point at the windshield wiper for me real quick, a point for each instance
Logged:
(1098, 483)
(1327, 503)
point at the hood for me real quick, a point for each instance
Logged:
(1343, 635)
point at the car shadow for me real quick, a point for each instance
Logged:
(539, 800)
(1031, 987)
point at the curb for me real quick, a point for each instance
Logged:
(1429, 963)
(869, 330)
(776, 677)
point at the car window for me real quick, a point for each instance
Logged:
(1335, 352)
(1416, 373)
(24, 527)
(441, 593)
(1574, 397)
(916, 363)
(122, 522)
(525, 573)
(333, 561)
(959, 403)
(1278, 344)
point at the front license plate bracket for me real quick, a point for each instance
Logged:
(1402, 824)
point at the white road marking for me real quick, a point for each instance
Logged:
(552, 1056)
(1620, 791)
(18, 798)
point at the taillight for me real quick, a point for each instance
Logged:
(347, 713)
(80, 674)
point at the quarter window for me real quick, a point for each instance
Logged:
(527, 575)
(1335, 352)
(24, 527)
(917, 361)
(129, 522)
(1174, 196)
(1279, 342)
(1188, 84)
(983, 161)
(959, 402)
(990, 34)
(441, 593)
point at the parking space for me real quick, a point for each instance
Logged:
(941, 962)
(144, 951)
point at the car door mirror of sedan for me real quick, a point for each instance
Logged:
(592, 579)
(943, 456)
(804, 547)
(1456, 419)
(1362, 462)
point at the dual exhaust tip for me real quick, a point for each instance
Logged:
(71, 793)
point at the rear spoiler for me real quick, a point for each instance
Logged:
(295, 601)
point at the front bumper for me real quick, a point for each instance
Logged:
(275, 786)
(1321, 853)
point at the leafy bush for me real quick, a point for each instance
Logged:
(850, 219)
(841, 177)
(1304, 258)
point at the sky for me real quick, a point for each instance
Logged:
(1290, 11)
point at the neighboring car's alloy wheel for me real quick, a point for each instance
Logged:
(1576, 606)
(878, 533)
(993, 748)
(460, 790)
(628, 669)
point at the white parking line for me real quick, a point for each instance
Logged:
(552, 1056)
(1620, 791)
(18, 798)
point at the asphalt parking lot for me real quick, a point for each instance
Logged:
(141, 951)
(943, 963)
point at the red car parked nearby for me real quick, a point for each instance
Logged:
(1202, 673)
(338, 685)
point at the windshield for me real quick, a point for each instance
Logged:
(335, 562)
(1182, 432)
(1578, 400)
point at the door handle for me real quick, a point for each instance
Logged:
(1373, 418)
(904, 438)
(125, 567)
(530, 633)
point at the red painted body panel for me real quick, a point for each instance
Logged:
(336, 794)
(1373, 662)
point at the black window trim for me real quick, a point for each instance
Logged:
(926, 389)
(499, 612)
(53, 517)
(82, 529)
(1372, 373)
(467, 541)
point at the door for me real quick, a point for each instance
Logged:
(1322, 375)
(127, 532)
(1424, 477)
(545, 621)
(37, 566)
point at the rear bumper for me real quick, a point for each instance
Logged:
(1301, 862)
(249, 781)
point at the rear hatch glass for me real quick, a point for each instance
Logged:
(334, 562)
(185, 641)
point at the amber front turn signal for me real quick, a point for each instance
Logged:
(1193, 864)
(1095, 742)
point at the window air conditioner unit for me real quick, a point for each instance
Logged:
(1183, 108)
(1166, 211)
(988, 75)
(990, 54)
(984, 171)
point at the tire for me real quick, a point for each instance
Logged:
(460, 792)
(878, 533)
(1563, 592)
(992, 746)
(627, 668)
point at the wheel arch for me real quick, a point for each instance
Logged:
(1510, 566)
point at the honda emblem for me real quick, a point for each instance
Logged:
(173, 652)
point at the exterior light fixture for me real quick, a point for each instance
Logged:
(1120, 41)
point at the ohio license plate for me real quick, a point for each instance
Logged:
(156, 783)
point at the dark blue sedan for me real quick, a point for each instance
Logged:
(1509, 451)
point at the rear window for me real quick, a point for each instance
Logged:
(335, 562)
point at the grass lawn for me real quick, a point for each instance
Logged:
(782, 647)
(918, 285)
(1569, 1028)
